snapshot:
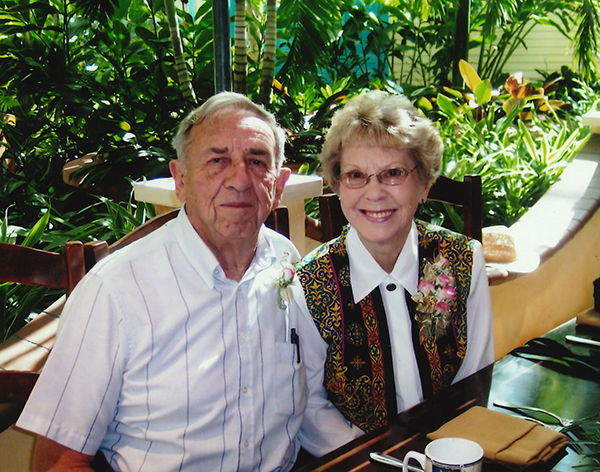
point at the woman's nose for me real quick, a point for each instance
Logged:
(374, 189)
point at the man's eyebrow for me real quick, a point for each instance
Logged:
(216, 150)
(258, 151)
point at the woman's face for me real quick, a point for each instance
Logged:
(382, 214)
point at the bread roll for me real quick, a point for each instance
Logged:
(498, 246)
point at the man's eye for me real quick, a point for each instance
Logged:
(257, 162)
(217, 162)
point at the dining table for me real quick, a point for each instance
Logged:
(523, 381)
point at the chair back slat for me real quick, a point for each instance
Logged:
(466, 194)
(32, 266)
(279, 220)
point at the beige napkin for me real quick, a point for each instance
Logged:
(504, 438)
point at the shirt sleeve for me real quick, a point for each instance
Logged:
(324, 428)
(480, 339)
(75, 398)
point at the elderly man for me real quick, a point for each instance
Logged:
(181, 351)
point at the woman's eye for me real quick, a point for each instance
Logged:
(394, 172)
(356, 175)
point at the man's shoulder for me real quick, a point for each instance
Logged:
(280, 243)
(143, 250)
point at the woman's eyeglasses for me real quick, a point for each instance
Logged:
(391, 176)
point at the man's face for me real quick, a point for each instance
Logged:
(229, 182)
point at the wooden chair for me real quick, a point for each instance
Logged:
(53, 270)
(279, 220)
(466, 194)
(31, 266)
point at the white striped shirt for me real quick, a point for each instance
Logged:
(165, 364)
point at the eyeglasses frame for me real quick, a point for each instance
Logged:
(378, 177)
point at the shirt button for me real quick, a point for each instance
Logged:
(390, 287)
(245, 390)
(246, 444)
(242, 337)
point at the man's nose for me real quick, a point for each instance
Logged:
(239, 175)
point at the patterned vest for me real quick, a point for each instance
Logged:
(359, 377)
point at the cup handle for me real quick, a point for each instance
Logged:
(420, 458)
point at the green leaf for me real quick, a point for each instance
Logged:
(424, 104)
(512, 104)
(483, 91)
(446, 105)
(469, 75)
(35, 233)
(528, 141)
(451, 91)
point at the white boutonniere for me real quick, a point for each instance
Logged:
(284, 279)
(434, 294)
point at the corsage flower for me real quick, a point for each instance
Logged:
(284, 280)
(435, 292)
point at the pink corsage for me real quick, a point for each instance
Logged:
(435, 293)
(283, 281)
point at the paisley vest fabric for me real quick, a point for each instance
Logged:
(359, 376)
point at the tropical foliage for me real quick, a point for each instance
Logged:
(113, 77)
(517, 138)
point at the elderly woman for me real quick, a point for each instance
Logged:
(402, 306)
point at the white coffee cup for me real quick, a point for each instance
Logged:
(448, 455)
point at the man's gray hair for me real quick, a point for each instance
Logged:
(224, 102)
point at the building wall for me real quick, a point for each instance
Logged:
(546, 49)
(533, 304)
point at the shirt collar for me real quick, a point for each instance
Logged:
(366, 274)
(204, 261)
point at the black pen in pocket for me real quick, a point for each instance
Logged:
(296, 340)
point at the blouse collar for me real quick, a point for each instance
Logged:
(366, 274)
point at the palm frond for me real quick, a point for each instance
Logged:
(97, 9)
(587, 43)
(310, 28)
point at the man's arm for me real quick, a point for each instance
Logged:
(51, 456)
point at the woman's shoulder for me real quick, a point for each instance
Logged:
(432, 232)
(322, 254)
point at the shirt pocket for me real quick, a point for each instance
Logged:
(290, 386)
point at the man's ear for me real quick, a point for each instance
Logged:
(284, 175)
(176, 168)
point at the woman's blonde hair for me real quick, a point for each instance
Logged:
(382, 119)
